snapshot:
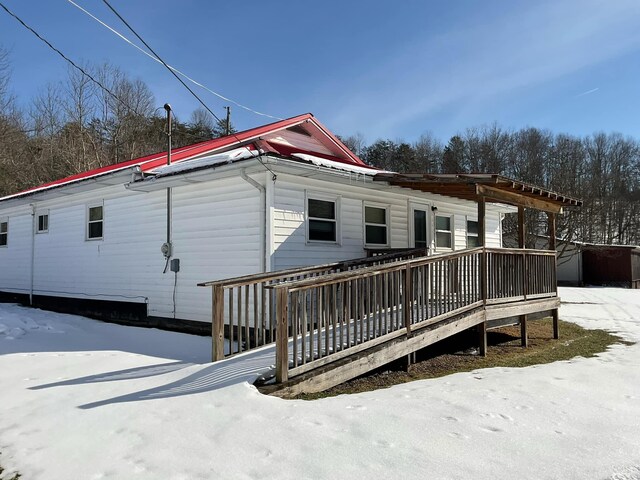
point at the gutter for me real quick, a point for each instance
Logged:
(263, 216)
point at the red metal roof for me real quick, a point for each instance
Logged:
(156, 160)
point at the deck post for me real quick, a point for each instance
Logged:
(523, 331)
(482, 338)
(406, 299)
(282, 334)
(522, 233)
(552, 246)
(482, 328)
(552, 230)
(217, 323)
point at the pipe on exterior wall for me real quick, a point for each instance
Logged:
(263, 216)
(33, 252)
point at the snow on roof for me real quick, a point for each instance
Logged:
(208, 161)
(323, 162)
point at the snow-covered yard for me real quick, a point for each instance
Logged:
(81, 399)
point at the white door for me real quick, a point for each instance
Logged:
(419, 231)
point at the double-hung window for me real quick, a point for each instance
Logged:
(322, 219)
(95, 221)
(376, 225)
(4, 233)
(444, 231)
(472, 234)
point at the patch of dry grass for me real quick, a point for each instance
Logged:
(504, 350)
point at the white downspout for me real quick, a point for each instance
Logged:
(263, 217)
(33, 251)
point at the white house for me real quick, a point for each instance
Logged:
(131, 241)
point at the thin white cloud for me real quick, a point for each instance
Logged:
(512, 53)
(588, 92)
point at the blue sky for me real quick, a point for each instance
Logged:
(384, 69)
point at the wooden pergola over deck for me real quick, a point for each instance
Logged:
(486, 187)
(482, 188)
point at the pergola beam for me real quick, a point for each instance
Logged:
(504, 196)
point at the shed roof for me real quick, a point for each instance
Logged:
(474, 186)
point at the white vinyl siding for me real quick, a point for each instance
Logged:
(290, 248)
(216, 234)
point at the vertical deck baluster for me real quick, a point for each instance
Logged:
(326, 313)
(247, 335)
(232, 349)
(319, 320)
(240, 339)
(334, 314)
(361, 311)
(294, 325)
(379, 301)
(303, 339)
(256, 337)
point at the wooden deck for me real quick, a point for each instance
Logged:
(334, 322)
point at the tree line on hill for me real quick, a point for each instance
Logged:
(602, 170)
(74, 126)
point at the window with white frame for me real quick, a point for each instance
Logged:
(4, 233)
(376, 225)
(322, 219)
(444, 231)
(95, 221)
(43, 222)
(472, 234)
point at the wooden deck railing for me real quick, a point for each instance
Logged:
(520, 274)
(321, 320)
(244, 310)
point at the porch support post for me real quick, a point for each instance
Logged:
(217, 323)
(481, 221)
(552, 230)
(552, 246)
(282, 334)
(482, 328)
(523, 331)
(482, 338)
(556, 327)
(521, 228)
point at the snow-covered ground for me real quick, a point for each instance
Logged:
(81, 399)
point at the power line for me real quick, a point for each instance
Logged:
(84, 72)
(183, 84)
(71, 62)
(156, 59)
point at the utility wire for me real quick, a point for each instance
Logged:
(157, 59)
(84, 72)
(274, 176)
(71, 62)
